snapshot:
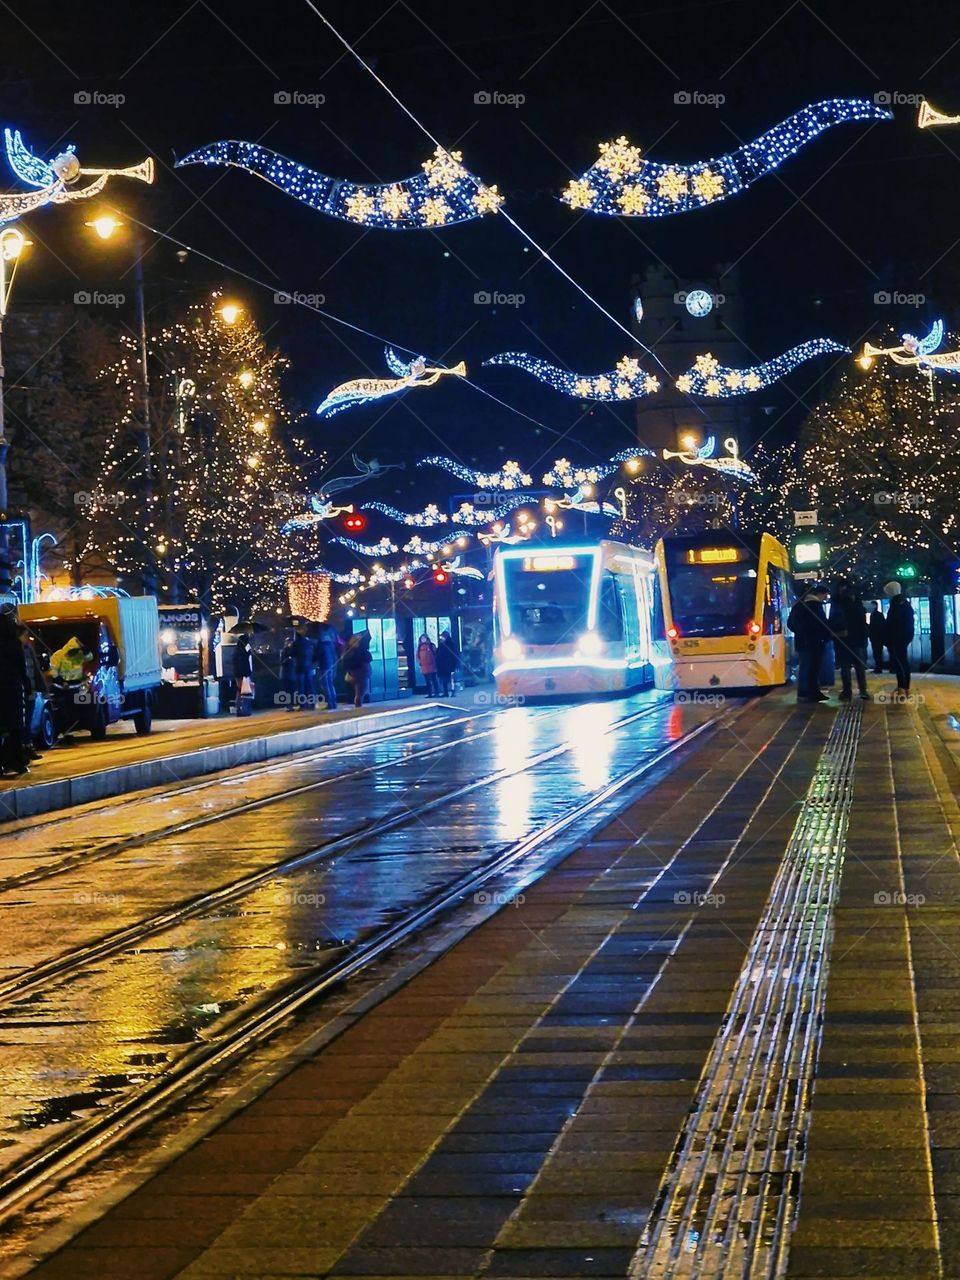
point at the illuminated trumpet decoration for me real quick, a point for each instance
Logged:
(54, 180)
(929, 117)
(582, 500)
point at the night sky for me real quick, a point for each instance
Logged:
(864, 208)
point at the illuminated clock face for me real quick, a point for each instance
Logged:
(699, 302)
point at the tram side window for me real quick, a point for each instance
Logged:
(775, 601)
(658, 627)
(610, 620)
(627, 592)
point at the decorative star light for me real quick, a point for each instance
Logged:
(382, 548)
(930, 118)
(53, 181)
(709, 378)
(417, 546)
(729, 463)
(920, 351)
(416, 373)
(509, 477)
(445, 192)
(620, 184)
(626, 382)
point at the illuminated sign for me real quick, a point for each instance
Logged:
(808, 553)
(548, 564)
(713, 555)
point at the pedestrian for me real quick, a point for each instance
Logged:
(36, 683)
(302, 649)
(875, 627)
(243, 673)
(288, 676)
(357, 661)
(447, 660)
(327, 646)
(898, 632)
(811, 631)
(848, 622)
(13, 692)
(427, 662)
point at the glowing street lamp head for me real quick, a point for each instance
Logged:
(245, 378)
(260, 427)
(865, 362)
(230, 312)
(12, 243)
(688, 440)
(105, 225)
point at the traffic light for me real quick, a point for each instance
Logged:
(441, 577)
(354, 522)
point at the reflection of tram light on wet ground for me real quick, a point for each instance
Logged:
(572, 619)
(721, 600)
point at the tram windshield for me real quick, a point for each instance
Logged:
(548, 596)
(713, 591)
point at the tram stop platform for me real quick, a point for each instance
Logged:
(81, 770)
(720, 1038)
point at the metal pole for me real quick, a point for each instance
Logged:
(150, 567)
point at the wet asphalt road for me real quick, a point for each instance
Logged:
(80, 1040)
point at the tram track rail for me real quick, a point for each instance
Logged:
(87, 1141)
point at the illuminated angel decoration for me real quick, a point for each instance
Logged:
(626, 382)
(413, 373)
(621, 184)
(708, 377)
(582, 500)
(930, 118)
(919, 351)
(443, 194)
(365, 471)
(53, 181)
(321, 509)
(729, 464)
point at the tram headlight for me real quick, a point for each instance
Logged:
(511, 648)
(589, 644)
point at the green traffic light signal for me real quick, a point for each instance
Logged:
(906, 571)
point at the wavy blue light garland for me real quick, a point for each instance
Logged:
(627, 382)
(620, 184)
(709, 378)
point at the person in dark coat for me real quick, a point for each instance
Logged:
(898, 632)
(302, 651)
(875, 627)
(357, 661)
(811, 631)
(848, 622)
(448, 659)
(327, 645)
(36, 682)
(13, 694)
(243, 670)
(288, 676)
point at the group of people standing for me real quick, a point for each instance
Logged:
(309, 666)
(438, 664)
(849, 630)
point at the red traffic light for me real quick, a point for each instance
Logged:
(355, 522)
(441, 577)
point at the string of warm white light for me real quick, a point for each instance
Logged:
(382, 548)
(415, 373)
(621, 184)
(308, 595)
(627, 382)
(466, 514)
(416, 546)
(710, 378)
(444, 194)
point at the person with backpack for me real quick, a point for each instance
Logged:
(898, 632)
(811, 631)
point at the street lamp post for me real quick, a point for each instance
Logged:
(12, 244)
